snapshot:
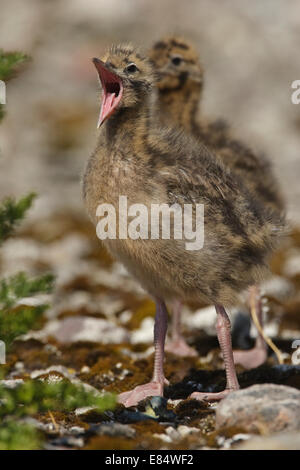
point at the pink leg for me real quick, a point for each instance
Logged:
(258, 355)
(156, 386)
(224, 337)
(177, 345)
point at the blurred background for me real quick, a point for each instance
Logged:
(250, 51)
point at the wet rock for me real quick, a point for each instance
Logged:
(260, 409)
(280, 441)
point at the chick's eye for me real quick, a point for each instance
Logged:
(131, 68)
(176, 60)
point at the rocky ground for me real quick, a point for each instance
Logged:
(98, 331)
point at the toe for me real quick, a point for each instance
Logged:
(133, 397)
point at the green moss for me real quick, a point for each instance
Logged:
(38, 396)
(19, 436)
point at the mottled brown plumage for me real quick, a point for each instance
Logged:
(180, 87)
(137, 158)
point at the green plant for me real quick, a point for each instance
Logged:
(9, 64)
(15, 318)
(36, 396)
(11, 214)
(19, 436)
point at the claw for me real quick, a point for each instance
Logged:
(206, 396)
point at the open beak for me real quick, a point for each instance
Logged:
(112, 90)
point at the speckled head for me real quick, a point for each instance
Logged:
(176, 63)
(126, 77)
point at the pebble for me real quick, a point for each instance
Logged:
(68, 441)
(260, 409)
(113, 429)
(11, 384)
(83, 410)
(84, 328)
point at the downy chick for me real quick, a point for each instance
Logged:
(135, 158)
(180, 86)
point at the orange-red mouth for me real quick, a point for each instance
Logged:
(112, 90)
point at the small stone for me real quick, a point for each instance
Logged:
(68, 441)
(260, 409)
(11, 384)
(186, 430)
(75, 430)
(82, 411)
(172, 433)
(113, 430)
(163, 437)
(19, 366)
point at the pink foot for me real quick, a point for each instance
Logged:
(250, 359)
(139, 393)
(206, 396)
(180, 348)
